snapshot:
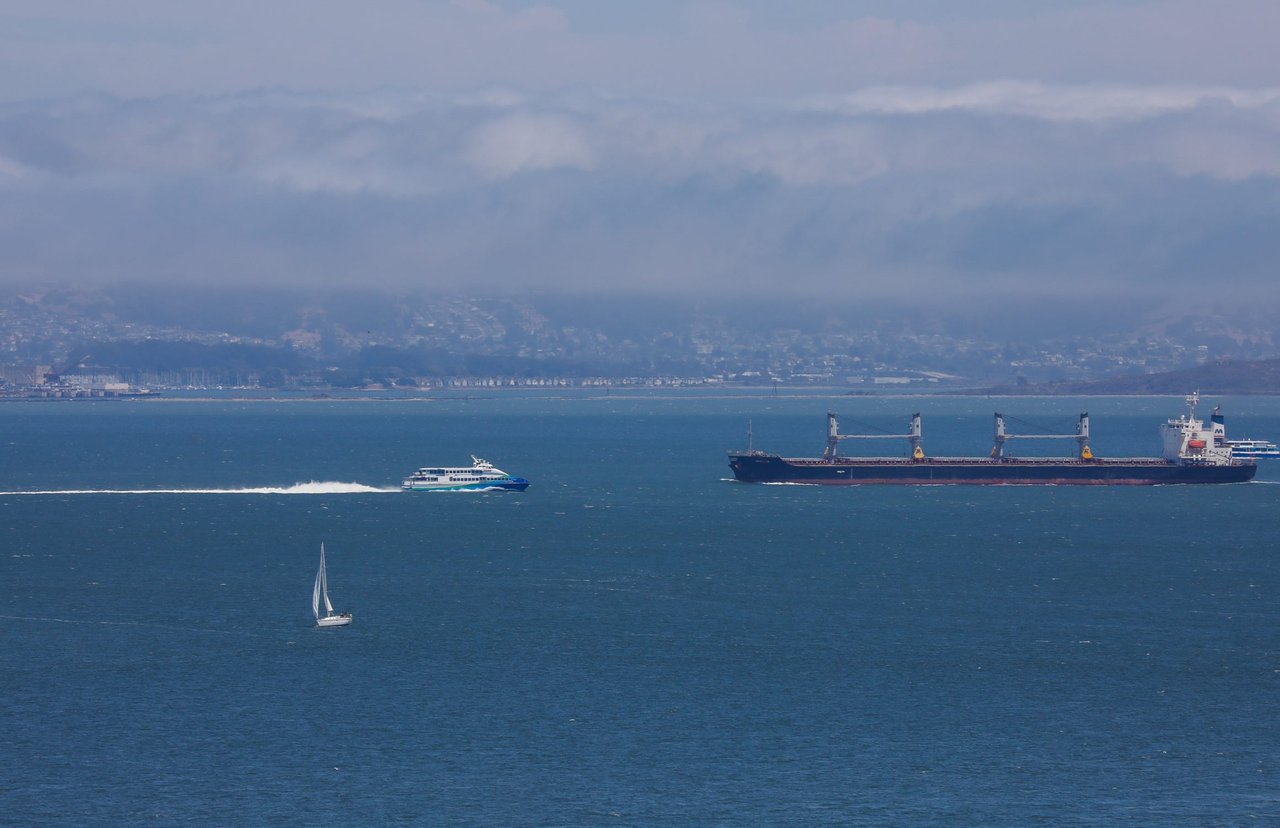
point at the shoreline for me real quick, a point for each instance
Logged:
(670, 394)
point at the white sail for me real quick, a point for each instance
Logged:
(320, 585)
(324, 589)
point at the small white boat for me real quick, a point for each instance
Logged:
(320, 597)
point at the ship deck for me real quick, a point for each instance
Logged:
(971, 461)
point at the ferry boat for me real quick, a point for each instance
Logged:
(479, 476)
(1253, 448)
(1194, 452)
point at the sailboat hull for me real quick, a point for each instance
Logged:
(334, 620)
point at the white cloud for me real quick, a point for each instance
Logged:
(526, 142)
(1100, 102)
(12, 169)
(938, 191)
(410, 144)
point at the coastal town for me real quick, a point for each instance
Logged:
(76, 345)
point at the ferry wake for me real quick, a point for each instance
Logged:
(1194, 452)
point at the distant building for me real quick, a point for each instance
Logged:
(24, 374)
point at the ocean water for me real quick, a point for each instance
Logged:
(635, 640)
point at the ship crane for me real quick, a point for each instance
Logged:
(1081, 436)
(834, 437)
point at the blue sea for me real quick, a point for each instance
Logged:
(635, 640)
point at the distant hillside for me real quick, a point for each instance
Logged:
(1224, 377)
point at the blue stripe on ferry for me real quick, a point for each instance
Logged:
(497, 484)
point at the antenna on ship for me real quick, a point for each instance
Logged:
(750, 447)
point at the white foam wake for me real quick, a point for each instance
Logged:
(314, 487)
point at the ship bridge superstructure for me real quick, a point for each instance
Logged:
(1188, 441)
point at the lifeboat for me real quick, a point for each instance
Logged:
(1195, 444)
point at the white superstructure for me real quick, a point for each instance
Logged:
(1188, 441)
(1253, 448)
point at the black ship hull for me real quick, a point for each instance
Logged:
(757, 467)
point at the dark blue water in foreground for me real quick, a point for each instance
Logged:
(633, 641)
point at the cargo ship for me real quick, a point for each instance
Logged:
(1194, 452)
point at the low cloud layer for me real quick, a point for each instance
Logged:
(1101, 150)
(991, 190)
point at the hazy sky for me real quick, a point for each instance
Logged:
(931, 150)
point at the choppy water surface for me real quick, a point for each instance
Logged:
(635, 639)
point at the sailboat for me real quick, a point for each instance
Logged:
(320, 593)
